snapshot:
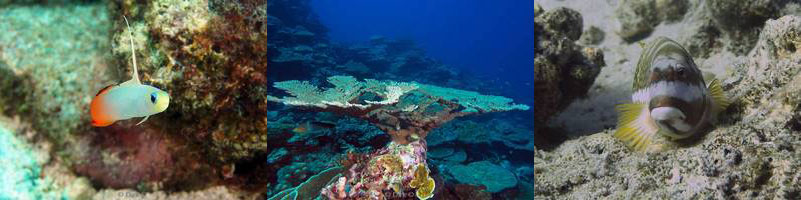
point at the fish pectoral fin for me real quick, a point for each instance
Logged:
(143, 120)
(634, 129)
(718, 96)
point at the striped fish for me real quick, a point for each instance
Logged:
(670, 97)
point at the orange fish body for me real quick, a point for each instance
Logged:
(98, 110)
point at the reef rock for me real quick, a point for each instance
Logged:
(638, 18)
(563, 70)
(211, 56)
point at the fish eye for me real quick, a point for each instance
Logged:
(680, 71)
(153, 97)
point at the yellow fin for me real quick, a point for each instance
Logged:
(718, 96)
(634, 127)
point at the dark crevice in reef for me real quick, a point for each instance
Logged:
(549, 138)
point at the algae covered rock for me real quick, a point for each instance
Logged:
(211, 56)
(742, 21)
(50, 76)
(19, 168)
(563, 70)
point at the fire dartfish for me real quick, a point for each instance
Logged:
(128, 99)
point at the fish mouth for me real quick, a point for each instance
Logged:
(667, 113)
(671, 119)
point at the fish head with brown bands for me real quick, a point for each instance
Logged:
(665, 60)
(670, 83)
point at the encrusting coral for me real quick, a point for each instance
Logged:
(422, 182)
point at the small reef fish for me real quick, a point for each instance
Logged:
(127, 100)
(670, 98)
(311, 126)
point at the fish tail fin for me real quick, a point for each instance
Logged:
(719, 98)
(633, 128)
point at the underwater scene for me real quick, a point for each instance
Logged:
(281, 100)
(667, 99)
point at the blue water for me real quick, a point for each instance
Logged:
(492, 39)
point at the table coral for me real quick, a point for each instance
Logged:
(407, 111)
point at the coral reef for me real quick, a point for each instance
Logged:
(563, 69)
(407, 111)
(217, 140)
(211, 56)
(391, 172)
(753, 152)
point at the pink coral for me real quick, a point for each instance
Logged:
(389, 169)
